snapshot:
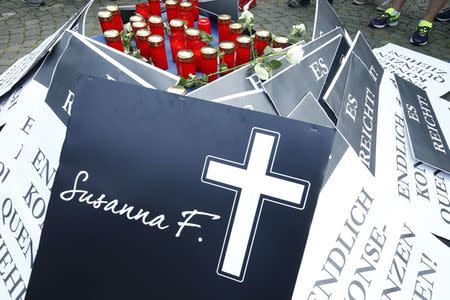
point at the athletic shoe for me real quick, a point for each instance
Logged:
(421, 36)
(385, 19)
(362, 2)
(444, 15)
(34, 3)
(385, 5)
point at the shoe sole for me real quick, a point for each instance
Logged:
(33, 4)
(443, 19)
(357, 2)
(417, 44)
(384, 25)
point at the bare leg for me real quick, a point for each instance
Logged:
(433, 9)
(398, 4)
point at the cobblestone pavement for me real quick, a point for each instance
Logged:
(22, 27)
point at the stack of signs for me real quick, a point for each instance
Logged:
(329, 180)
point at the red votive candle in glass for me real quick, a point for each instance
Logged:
(155, 9)
(195, 9)
(136, 18)
(143, 10)
(177, 40)
(187, 14)
(142, 36)
(223, 23)
(209, 62)
(185, 63)
(229, 50)
(262, 40)
(280, 42)
(194, 43)
(106, 20)
(205, 25)
(243, 48)
(156, 25)
(135, 26)
(158, 51)
(172, 10)
(117, 19)
(113, 39)
(235, 30)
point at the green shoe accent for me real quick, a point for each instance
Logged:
(393, 17)
(425, 23)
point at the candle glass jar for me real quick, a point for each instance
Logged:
(113, 39)
(262, 40)
(143, 10)
(155, 9)
(117, 19)
(185, 63)
(137, 18)
(223, 23)
(280, 42)
(106, 20)
(158, 51)
(209, 62)
(177, 40)
(195, 9)
(235, 30)
(194, 43)
(229, 50)
(243, 49)
(135, 26)
(186, 13)
(172, 10)
(204, 25)
(156, 25)
(142, 36)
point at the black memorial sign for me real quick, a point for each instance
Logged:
(326, 19)
(288, 87)
(425, 134)
(167, 197)
(255, 100)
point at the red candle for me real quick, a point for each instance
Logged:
(172, 10)
(223, 23)
(194, 43)
(177, 40)
(262, 40)
(243, 48)
(195, 9)
(280, 42)
(143, 10)
(117, 19)
(136, 18)
(158, 51)
(209, 62)
(142, 36)
(156, 25)
(205, 25)
(113, 40)
(229, 50)
(186, 13)
(155, 9)
(106, 20)
(235, 30)
(185, 63)
(135, 26)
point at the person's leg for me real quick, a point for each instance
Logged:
(421, 36)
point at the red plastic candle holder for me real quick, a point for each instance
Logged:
(158, 51)
(243, 48)
(106, 20)
(205, 25)
(172, 10)
(185, 63)
(223, 23)
(262, 40)
(186, 13)
(117, 19)
(156, 25)
(155, 8)
(113, 39)
(209, 62)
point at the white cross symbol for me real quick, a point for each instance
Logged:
(253, 183)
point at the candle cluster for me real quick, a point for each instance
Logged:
(190, 53)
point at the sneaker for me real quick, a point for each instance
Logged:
(444, 15)
(385, 5)
(34, 3)
(385, 19)
(421, 36)
(362, 2)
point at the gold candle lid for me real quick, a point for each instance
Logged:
(227, 47)
(192, 32)
(236, 27)
(281, 40)
(186, 5)
(224, 18)
(138, 25)
(244, 41)
(263, 35)
(177, 89)
(155, 20)
(112, 8)
(136, 18)
(104, 15)
(208, 52)
(171, 3)
(185, 55)
(156, 40)
(111, 35)
(143, 34)
(176, 23)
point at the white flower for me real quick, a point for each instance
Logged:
(299, 29)
(247, 16)
(294, 55)
(127, 27)
(261, 72)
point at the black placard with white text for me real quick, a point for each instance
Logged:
(190, 199)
